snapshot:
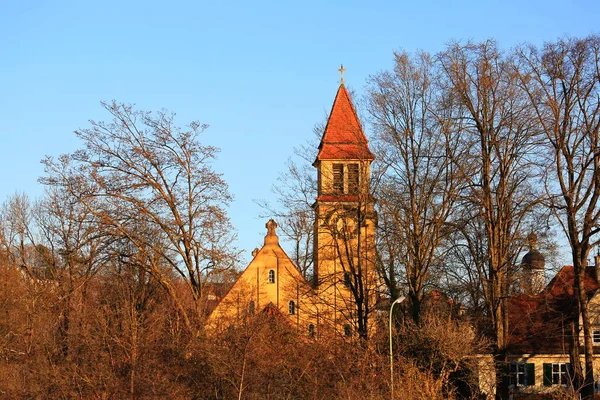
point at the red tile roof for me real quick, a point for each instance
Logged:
(343, 198)
(343, 138)
(562, 283)
(537, 323)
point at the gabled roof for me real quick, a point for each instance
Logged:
(562, 283)
(537, 323)
(343, 138)
(270, 256)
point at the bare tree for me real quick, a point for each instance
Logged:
(498, 132)
(17, 232)
(419, 181)
(77, 249)
(563, 85)
(150, 182)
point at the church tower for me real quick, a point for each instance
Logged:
(344, 248)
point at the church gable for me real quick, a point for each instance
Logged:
(272, 279)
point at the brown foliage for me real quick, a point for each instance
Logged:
(126, 340)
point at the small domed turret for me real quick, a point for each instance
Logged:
(533, 265)
(534, 259)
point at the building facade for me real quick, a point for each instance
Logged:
(539, 329)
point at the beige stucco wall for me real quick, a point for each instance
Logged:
(594, 312)
(253, 285)
(336, 254)
(487, 378)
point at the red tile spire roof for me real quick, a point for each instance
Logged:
(343, 138)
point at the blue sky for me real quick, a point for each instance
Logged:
(261, 74)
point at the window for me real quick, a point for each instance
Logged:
(346, 178)
(556, 374)
(271, 276)
(347, 330)
(559, 374)
(291, 307)
(251, 307)
(596, 336)
(353, 179)
(311, 330)
(338, 178)
(522, 374)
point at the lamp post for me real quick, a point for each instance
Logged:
(398, 300)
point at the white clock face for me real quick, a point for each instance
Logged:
(345, 227)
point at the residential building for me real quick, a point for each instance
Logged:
(538, 328)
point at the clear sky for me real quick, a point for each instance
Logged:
(261, 74)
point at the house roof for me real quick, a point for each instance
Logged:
(343, 138)
(562, 283)
(537, 323)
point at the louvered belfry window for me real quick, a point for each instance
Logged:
(338, 178)
(353, 178)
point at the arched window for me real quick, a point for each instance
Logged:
(251, 307)
(291, 307)
(271, 276)
(311, 330)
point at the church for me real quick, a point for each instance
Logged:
(341, 297)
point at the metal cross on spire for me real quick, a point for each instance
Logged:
(342, 70)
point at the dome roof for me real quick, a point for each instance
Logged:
(533, 260)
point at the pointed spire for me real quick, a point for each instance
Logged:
(343, 138)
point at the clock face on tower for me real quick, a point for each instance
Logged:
(343, 225)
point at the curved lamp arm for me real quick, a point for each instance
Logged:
(398, 300)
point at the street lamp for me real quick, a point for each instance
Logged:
(398, 300)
